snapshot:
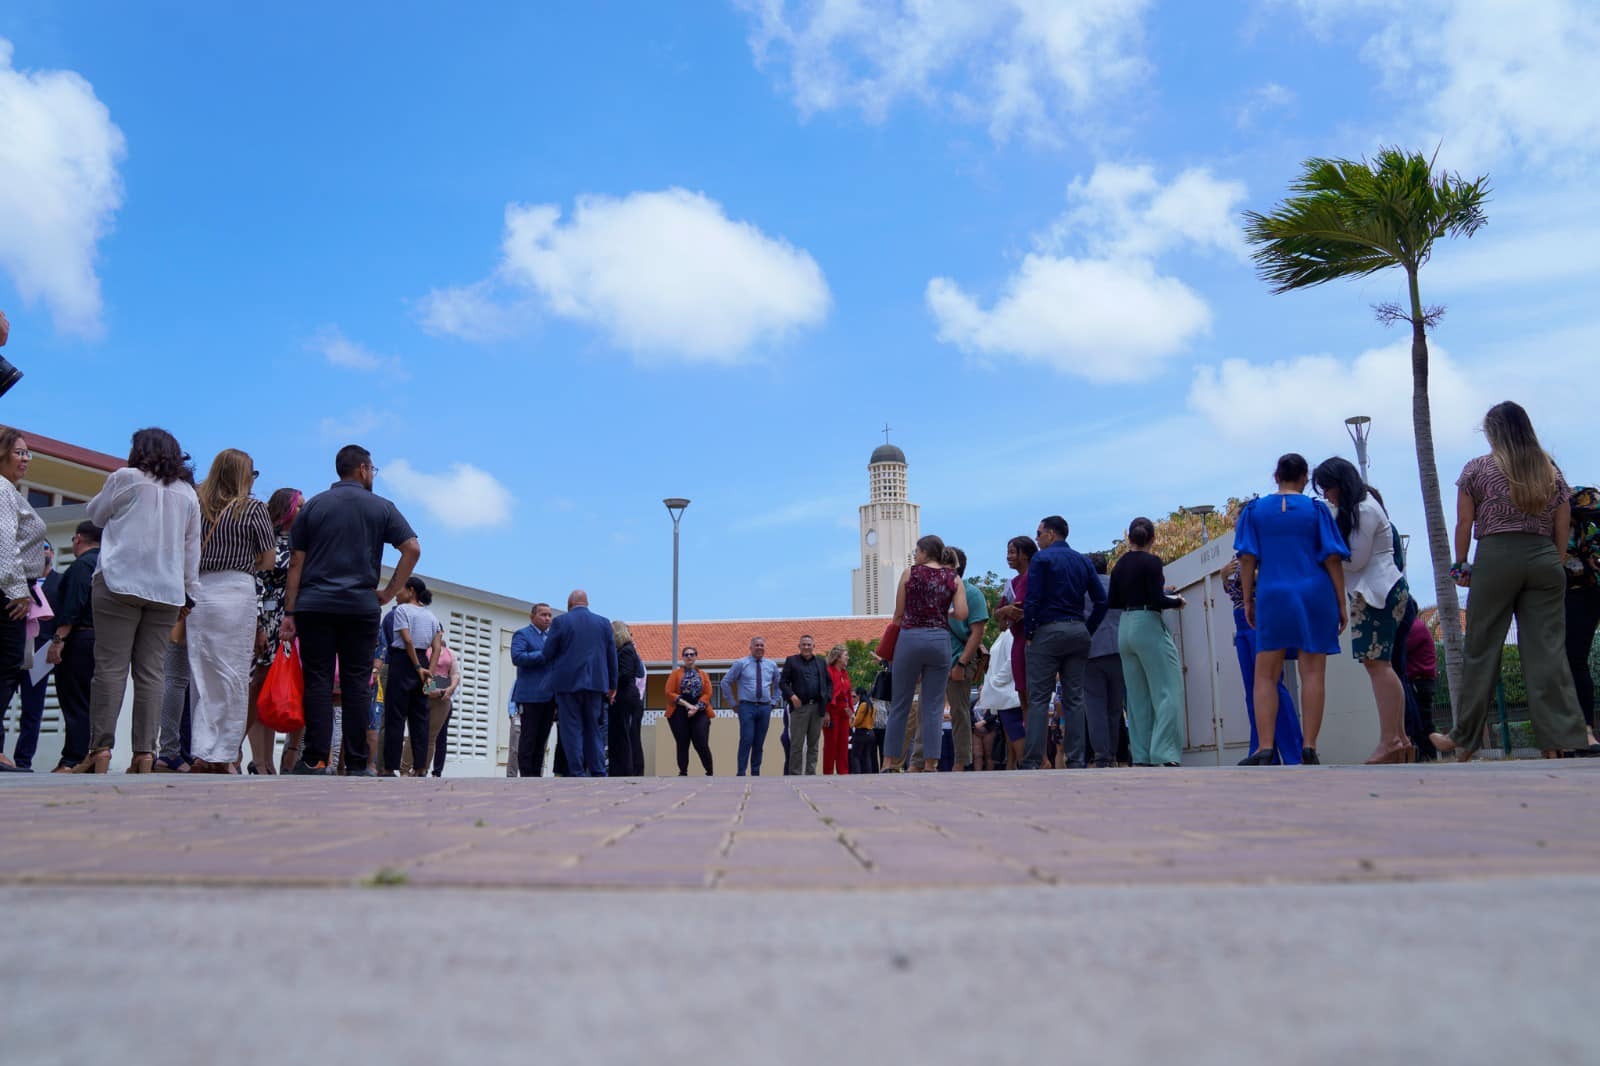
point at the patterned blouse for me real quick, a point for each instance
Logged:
(1493, 510)
(270, 588)
(928, 596)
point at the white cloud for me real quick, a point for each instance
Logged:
(1018, 65)
(1099, 319)
(342, 352)
(1492, 79)
(663, 274)
(1308, 397)
(59, 189)
(464, 497)
(350, 427)
(1109, 315)
(472, 312)
(1261, 101)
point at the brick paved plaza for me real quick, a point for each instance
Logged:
(1344, 914)
(1332, 824)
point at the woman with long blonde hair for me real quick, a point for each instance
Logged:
(625, 720)
(236, 540)
(1518, 506)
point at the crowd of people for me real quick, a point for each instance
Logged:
(193, 589)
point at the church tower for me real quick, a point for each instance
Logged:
(890, 527)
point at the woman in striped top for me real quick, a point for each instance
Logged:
(236, 540)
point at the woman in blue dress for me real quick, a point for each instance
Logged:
(1291, 568)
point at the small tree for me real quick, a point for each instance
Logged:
(861, 664)
(1179, 533)
(1348, 220)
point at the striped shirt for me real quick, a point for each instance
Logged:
(22, 535)
(1493, 509)
(240, 534)
(416, 620)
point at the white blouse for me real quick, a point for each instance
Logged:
(1371, 572)
(999, 691)
(151, 545)
(22, 536)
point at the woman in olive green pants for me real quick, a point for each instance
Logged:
(1517, 504)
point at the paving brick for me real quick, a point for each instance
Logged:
(924, 830)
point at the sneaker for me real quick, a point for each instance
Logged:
(1308, 757)
(306, 769)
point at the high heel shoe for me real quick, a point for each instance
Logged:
(96, 762)
(144, 762)
(1393, 755)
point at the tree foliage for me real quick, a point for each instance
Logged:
(1351, 219)
(1179, 533)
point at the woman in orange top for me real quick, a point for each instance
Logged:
(836, 717)
(689, 711)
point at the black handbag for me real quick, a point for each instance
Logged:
(883, 685)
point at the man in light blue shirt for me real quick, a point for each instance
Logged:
(751, 684)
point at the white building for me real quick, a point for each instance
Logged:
(890, 527)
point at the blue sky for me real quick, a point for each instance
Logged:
(554, 262)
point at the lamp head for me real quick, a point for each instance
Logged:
(676, 505)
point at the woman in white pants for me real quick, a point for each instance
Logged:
(236, 540)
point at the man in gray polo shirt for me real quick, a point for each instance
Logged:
(332, 601)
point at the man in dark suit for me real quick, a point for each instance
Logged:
(581, 654)
(536, 700)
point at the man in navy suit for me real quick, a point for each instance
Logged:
(536, 700)
(581, 654)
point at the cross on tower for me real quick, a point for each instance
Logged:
(886, 433)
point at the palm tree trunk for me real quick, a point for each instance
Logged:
(1433, 508)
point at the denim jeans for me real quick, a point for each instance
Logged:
(32, 715)
(174, 700)
(754, 720)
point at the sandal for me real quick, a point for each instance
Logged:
(96, 762)
(143, 763)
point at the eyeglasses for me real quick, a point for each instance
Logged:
(374, 468)
(22, 453)
(254, 474)
(691, 654)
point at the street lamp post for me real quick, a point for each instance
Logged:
(1360, 428)
(1201, 509)
(676, 505)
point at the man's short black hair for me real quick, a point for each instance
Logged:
(1056, 524)
(88, 531)
(1100, 561)
(350, 459)
(961, 562)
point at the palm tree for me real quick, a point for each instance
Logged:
(1348, 219)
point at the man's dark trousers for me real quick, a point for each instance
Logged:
(580, 716)
(72, 692)
(1057, 650)
(534, 737)
(348, 638)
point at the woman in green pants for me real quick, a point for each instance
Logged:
(1150, 664)
(1517, 504)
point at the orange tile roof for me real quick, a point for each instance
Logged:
(725, 641)
(71, 453)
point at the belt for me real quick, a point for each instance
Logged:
(1155, 610)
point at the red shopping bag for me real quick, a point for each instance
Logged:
(281, 705)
